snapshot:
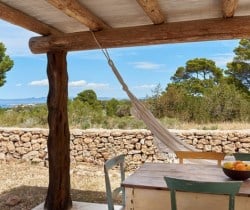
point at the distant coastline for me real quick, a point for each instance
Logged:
(8, 103)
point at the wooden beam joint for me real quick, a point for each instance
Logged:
(19, 18)
(152, 9)
(229, 7)
(76, 10)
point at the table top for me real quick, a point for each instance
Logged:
(150, 175)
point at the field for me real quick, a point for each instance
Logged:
(24, 186)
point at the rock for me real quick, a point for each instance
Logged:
(31, 155)
(88, 140)
(2, 156)
(26, 137)
(13, 200)
(11, 147)
(14, 138)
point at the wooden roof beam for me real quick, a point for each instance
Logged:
(151, 8)
(19, 18)
(174, 32)
(76, 10)
(229, 7)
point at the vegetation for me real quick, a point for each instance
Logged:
(200, 93)
(5, 64)
(203, 93)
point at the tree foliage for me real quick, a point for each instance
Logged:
(200, 92)
(239, 69)
(87, 96)
(5, 64)
(197, 75)
(111, 107)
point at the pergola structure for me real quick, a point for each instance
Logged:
(67, 25)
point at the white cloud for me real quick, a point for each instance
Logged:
(73, 84)
(80, 83)
(84, 84)
(43, 82)
(145, 86)
(222, 59)
(19, 85)
(147, 65)
(97, 85)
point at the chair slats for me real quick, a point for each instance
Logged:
(200, 155)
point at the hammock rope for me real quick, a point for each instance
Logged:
(157, 129)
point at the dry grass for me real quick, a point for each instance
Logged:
(29, 183)
(215, 126)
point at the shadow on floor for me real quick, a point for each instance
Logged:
(29, 197)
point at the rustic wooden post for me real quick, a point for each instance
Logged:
(58, 195)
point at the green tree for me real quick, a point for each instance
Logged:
(87, 96)
(5, 64)
(111, 107)
(154, 102)
(197, 75)
(123, 109)
(226, 102)
(201, 93)
(239, 69)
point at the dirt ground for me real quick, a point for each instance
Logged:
(24, 186)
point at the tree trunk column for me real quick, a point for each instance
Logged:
(58, 195)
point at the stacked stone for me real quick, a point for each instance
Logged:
(23, 144)
(96, 146)
(218, 141)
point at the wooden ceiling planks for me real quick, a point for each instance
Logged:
(19, 18)
(153, 11)
(76, 10)
(126, 22)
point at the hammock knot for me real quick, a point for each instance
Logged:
(110, 62)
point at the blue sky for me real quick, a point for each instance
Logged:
(141, 67)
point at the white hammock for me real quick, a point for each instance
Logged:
(160, 132)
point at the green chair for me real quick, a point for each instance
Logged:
(230, 188)
(111, 194)
(242, 156)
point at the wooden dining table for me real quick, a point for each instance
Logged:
(146, 189)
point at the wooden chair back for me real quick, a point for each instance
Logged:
(110, 193)
(220, 188)
(242, 156)
(200, 155)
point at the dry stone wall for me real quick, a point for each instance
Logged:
(96, 146)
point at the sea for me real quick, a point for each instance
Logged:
(9, 103)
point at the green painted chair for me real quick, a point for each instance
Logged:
(110, 193)
(242, 156)
(230, 188)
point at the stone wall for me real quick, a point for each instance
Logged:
(96, 146)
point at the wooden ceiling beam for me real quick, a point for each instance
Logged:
(19, 18)
(76, 10)
(175, 32)
(152, 9)
(229, 7)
